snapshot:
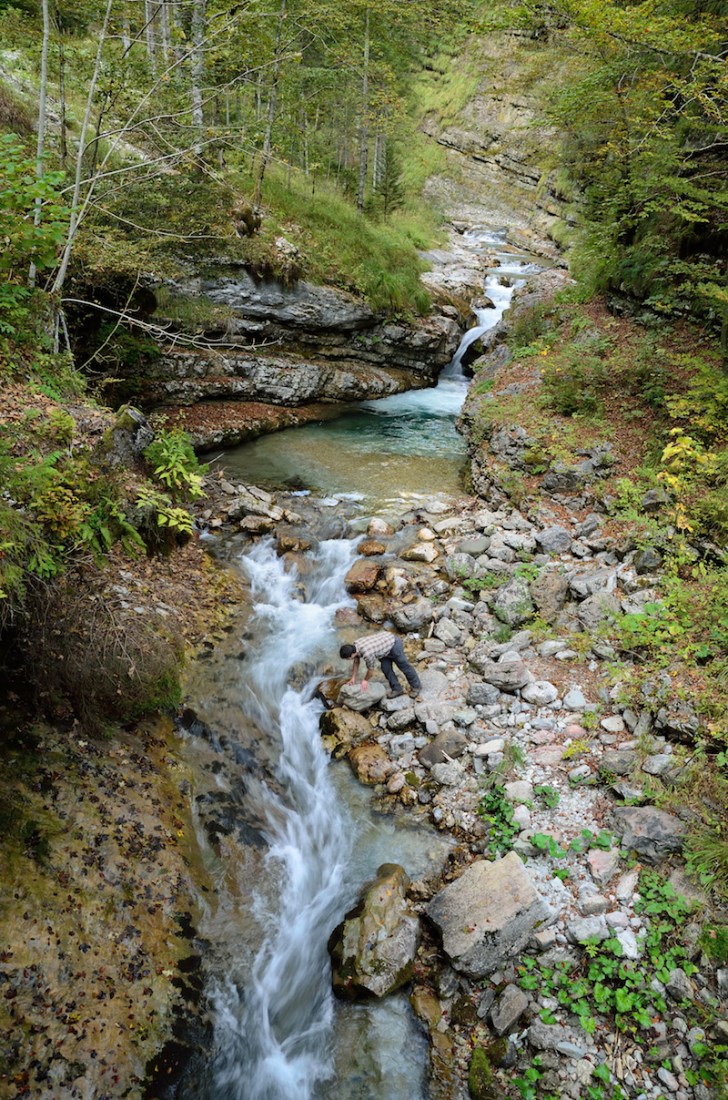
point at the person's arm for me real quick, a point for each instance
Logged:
(355, 669)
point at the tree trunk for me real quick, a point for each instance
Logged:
(150, 11)
(198, 71)
(164, 29)
(379, 154)
(76, 198)
(40, 144)
(364, 128)
(268, 139)
(63, 150)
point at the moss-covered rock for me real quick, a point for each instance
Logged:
(481, 1080)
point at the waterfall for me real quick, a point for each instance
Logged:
(274, 1036)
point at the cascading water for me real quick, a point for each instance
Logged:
(273, 1029)
(278, 1033)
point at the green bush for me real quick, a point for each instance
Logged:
(576, 386)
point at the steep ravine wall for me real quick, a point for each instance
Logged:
(500, 149)
(284, 348)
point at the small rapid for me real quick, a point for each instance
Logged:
(273, 1027)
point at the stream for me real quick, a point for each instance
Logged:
(278, 1033)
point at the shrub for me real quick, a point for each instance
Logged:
(576, 386)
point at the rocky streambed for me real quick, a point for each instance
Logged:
(559, 909)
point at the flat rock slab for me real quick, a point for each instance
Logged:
(487, 916)
(652, 833)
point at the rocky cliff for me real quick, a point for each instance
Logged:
(282, 346)
(500, 150)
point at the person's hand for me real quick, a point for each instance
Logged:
(352, 680)
(364, 685)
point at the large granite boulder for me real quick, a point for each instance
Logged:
(487, 916)
(373, 949)
(411, 616)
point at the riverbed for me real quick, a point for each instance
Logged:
(278, 1032)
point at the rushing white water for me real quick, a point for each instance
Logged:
(274, 1035)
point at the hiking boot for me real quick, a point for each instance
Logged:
(396, 694)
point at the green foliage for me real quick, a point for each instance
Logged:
(175, 464)
(548, 795)
(576, 386)
(486, 583)
(24, 198)
(607, 984)
(496, 811)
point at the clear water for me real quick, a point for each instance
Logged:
(402, 444)
(279, 1035)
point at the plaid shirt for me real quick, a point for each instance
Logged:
(374, 646)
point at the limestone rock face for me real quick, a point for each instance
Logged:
(373, 949)
(487, 915)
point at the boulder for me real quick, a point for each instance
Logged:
(447, 632)
(549, 592)
(433, 684)
(487, 916)
(554, 540)
(411, 616)
(341, 728)
(653, 834)
(127, 438)
(420, 551)
(362, 576)
(596, 609)
(459, 567)
(370, 763)
(509, 675)
(370, 548)
(378, 527)
(540, 693)
(482, 695)
(356, 698)
(448, 745)
(508, 1009)
(373, 949)
(513, 604)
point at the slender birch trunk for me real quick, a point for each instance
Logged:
(364, 128)
(63, 150)
(268, 140)
(40, 144)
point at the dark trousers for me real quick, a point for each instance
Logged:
(396, 657)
